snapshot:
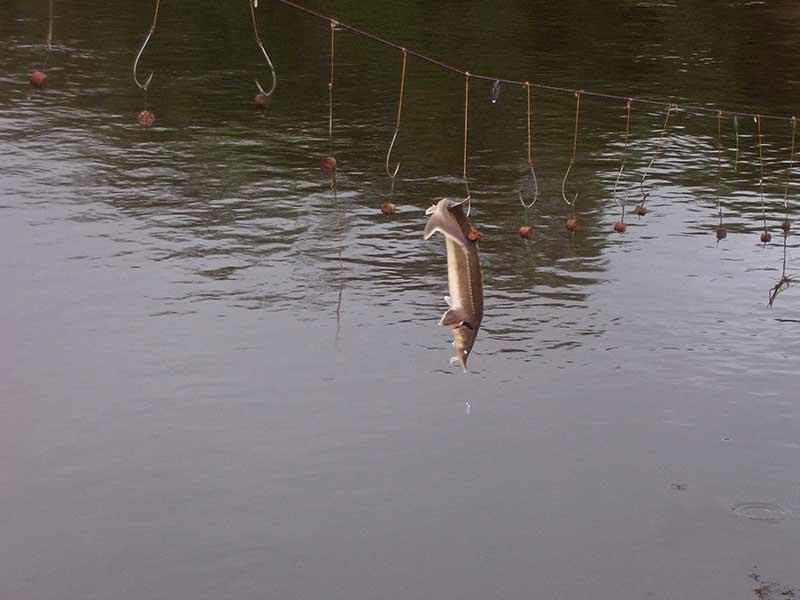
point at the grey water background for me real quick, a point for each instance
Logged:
(218, 380)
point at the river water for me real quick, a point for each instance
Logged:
(219, 380)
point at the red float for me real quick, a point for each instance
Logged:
(38, 80)
(263, 101)
(146, 119)
(571, 225)
(526, 232)
(766, 237)
(640, 210)
(722, 233)
(389, 209)
(474, 235)
(328, 164)
(620, 227)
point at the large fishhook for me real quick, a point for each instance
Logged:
(253, 5)
(389, 172)
(526, 205)
(564, 186)
(530, 204)
(574, 153)
(146, 84)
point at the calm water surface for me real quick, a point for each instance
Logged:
(219, 380)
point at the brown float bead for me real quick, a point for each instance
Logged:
(786, 226)
(38, 80)
(640, 210)
(766, 237)
(146, 119)
(571, 225)
(722, 233)
(389, 209)
(328, 164)
(263, 101)
(474, 235)
(526, 232)
(620, 227)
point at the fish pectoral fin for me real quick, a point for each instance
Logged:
(454, 316)
(446, 225)
(456, 362)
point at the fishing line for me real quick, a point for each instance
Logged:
(468, 199)
(695, 108)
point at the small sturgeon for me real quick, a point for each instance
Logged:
(464, 276)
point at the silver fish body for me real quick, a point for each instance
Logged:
(464, 276)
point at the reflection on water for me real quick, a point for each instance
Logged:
(221, 379)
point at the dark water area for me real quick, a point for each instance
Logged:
(219, 380)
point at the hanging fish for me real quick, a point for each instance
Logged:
(495, 95)
(464, 277)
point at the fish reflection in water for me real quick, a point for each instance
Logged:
(464, 277)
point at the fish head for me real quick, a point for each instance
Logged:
(463, 339)
(447, 217)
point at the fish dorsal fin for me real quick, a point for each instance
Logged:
(454, 316)
(442, 221)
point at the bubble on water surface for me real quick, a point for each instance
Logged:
(759, 511)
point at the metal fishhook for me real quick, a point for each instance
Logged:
(146, 84)
(389, 172)
(530, 154)
(578, 94)
(253, 4)
(616, 185)
(564, 186)
(535, 191)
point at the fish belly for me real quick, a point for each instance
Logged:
(456, 272)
